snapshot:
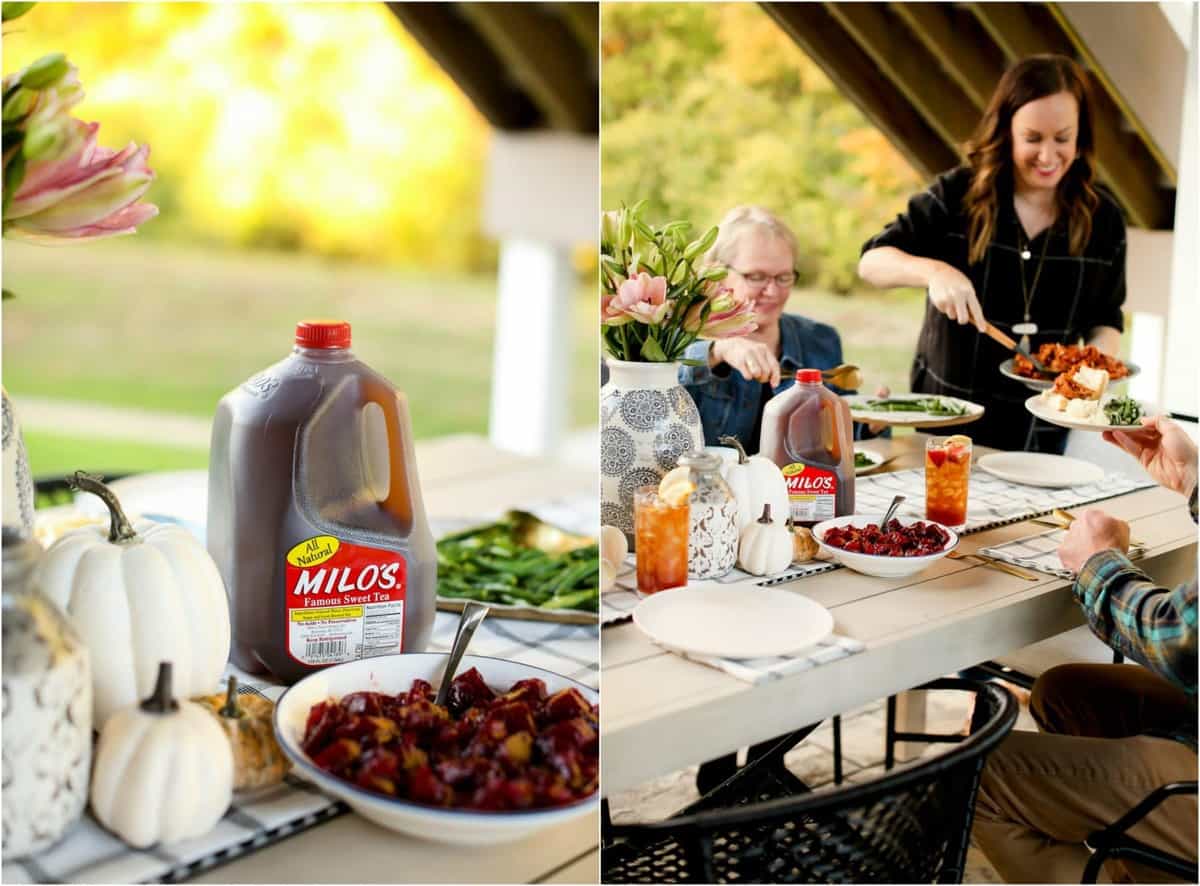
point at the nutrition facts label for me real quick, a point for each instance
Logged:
(344, 601)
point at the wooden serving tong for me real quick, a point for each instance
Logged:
(992, 332)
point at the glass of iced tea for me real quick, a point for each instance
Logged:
(661, 541)
(947, 473)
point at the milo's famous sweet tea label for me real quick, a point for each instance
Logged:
(812, 492)
(344, 601)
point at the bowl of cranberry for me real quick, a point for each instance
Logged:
(902, 548)
(514, 750)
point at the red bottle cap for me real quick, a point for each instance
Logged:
(810, 376)
(323, 334)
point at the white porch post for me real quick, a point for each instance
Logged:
(1180, 388)
(531, 360)
(541, 198)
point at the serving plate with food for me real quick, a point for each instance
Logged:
(522, 567)
(514, 750)
(866, 461)
(904, 547)
(1060, 358)
(913, 410)
(1079, 400)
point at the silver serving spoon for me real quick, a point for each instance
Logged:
(891, 512)
(473, 613)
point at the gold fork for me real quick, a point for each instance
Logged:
(995, 564)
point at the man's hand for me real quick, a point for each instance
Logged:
(1164, 450)
(753, 359)
(1093, 532)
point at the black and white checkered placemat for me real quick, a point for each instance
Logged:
(990, 501)
(1040, 552)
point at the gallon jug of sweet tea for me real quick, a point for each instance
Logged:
(315, 516)
(808, 432)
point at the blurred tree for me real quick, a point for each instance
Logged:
(322, 127)
(707, 106)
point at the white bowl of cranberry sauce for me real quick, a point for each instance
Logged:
(905, 547)
(515, 750)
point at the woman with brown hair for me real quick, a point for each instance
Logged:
(1020, 234)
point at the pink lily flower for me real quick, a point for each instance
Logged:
(642, 297)
(729, 317)
(85, 194)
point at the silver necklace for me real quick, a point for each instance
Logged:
(1028, 327)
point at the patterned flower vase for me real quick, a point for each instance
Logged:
(47, 721)
(647, 420)
(18, 481)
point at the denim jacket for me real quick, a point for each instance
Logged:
(728, 403)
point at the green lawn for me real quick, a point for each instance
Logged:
(52, 455)
(161, 327)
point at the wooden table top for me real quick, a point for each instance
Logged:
(663, 712)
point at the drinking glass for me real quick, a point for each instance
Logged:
(661, 541)
(947, 473)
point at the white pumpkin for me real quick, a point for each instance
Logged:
(755, 481)
(765, 546)
(164, 770)
(139, 595)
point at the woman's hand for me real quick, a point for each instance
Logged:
(882, 392)
(952, 293)
(1093, 532)
(1164, 450)
(753, 359)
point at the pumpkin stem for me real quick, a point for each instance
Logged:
(766, 515)
(161, 701)
(121, 530)
(230, 708)
(737, 444)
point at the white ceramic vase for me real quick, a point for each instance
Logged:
(47, 722)
(18, 481)
(647, 420)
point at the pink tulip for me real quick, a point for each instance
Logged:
(88, 193)
(642, 297)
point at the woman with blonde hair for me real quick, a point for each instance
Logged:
(737, 376)
(1021, 235)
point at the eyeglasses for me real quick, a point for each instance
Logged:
(760, 280)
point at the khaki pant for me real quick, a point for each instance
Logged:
(1042, 794)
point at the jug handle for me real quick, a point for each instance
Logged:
(401, 458)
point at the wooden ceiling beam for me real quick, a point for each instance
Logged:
(545, 58)
(975, 65)
(911, 68)
(1122, 159)
(470, 61)
(855, 74)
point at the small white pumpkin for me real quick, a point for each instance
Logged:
(614, 547)
(164, 770)
(139, 595)
(766, 546)
(755, 481)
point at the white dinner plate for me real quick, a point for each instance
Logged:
(874, 457)
(1042, 384)
(733, 621)
(1040, 469)
(1046, 412)
(860, 412)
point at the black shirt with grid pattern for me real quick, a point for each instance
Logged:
(1074, 294)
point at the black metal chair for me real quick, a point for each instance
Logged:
(765, 825)
(1114, 841)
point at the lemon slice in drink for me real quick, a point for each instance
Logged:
(960, 439)
(676, 485)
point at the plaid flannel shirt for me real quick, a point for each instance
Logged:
(1152, 625)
